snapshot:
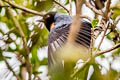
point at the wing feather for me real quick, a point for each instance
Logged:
(58, 37)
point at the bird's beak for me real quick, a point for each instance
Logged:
(52, 26)
(41, 20)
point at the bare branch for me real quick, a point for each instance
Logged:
(61, 5)
(106, 16)
(4, 6)
(93, 8)
(70, 12)
(107, 26)
(108, 50)
(104, 20)
(9, 67)
(117, 20)
(23, 8)
(81, 16)
(107, 8)
(74, 28)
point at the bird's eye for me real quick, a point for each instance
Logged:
(48, 16)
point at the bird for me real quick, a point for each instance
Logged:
(58, 25)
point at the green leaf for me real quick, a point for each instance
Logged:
(83, 74)
(97, 73)
(44, 61)
(45, 5)
(24, 25)
(111, 75)
(95, 22)
(116, 13)
(61, 10)
(34, 58)
(1, 58)
(41, 37)
(67, 2)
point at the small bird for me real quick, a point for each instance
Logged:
(58, 25)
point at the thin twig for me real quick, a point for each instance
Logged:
(4, 6)
(104, 20)
(61, 5)
(115, 23)
(105, 17)
(70, 12)
(9, 67)
(107, 8)
(108, 50)
(82, 16)
(117, 20)
(107, 26)
(91, 42)
(75, 26)
(93, 8)
(23, 8)
(81, 68)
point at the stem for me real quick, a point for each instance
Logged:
(61, 5)
(23, 8)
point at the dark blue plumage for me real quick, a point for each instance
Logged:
(59, 34)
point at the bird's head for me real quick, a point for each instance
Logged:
(49, 20)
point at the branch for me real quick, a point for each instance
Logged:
(108, 50)
(61, 5)
(81, 16)
(4, 6)
(9, 67)
(70, 12)
(99, 12)
(23, 8)
(117, 20)
(107, 8)
(104, 19)
(107, 26)
(75, 26)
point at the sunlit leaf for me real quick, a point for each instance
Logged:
(97, 73)
(61, 10)
(45, 5)
(83, 74)
(44, 61)
(67, 2)
(116, 12)
(95, 22)
(111, 75)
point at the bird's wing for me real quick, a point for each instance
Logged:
(58, 37)
(84, 35)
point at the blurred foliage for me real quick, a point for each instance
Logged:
(116, 9)
(46, 5)
(67, 2)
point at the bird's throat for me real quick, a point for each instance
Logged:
(52, 26)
